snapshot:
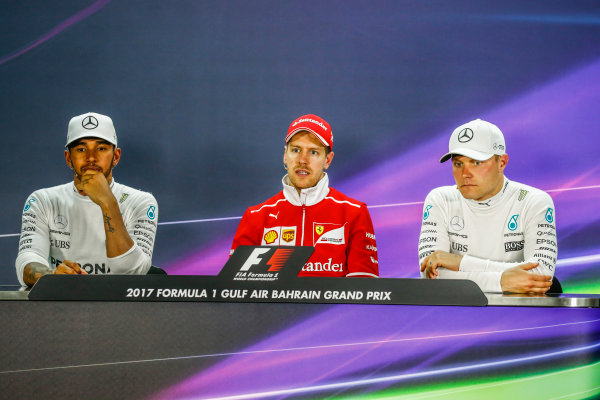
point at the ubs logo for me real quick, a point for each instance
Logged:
(89, 122)
(465, 135)
(61, 222)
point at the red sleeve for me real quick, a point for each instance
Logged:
(246, 233)
(362, 249)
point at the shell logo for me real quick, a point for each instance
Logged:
(288, 235)
(271, 236)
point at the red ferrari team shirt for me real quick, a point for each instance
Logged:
(338, 226)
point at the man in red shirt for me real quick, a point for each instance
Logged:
(307, 212)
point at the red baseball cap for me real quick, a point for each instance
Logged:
(313, 124)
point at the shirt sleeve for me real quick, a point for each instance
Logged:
(539, 241)
(141, 227)
(34, 244)
(245, 235)
(434, 227)
(362, 248)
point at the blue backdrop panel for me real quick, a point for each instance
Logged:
(202, 92)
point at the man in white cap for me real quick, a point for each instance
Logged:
(499, 233)
(92, 225)
(307, 212)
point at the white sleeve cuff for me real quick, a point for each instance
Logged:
(133, 262)
(25, 258)
(469, 263)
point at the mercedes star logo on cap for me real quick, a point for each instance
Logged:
(465, 135)
(89, 122)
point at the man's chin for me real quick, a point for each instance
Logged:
(468, 194)
(107, 174)
(302, 184)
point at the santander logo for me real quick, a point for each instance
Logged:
(322, 125)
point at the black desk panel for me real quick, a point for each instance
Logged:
(202, 350)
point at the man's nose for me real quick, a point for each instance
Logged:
(91, 155)
(303, 157)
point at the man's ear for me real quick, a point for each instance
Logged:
(328, 160)
(68, 159)
(503, 162)
(116, 157)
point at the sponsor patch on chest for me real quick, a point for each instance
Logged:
(328, 233)
(514, 246)
(279, 236)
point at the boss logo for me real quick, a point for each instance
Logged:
(514, 246)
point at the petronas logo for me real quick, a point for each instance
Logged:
(512, 223)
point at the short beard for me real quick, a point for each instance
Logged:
(108, 171)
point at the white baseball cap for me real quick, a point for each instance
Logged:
(477, 139)
(91, 125)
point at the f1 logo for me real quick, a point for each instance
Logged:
(275, 263)
(265, 263)
(254, 258)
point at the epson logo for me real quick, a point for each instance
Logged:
(88, 267)
(514, 246)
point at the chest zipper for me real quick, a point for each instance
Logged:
(303, 218)
(303, 201)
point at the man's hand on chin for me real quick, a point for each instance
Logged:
(94, 184)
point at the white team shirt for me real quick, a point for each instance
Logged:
(60, 224)
(515, 226)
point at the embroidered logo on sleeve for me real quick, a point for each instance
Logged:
(151, 213)
(28, 204)
(426, 212)
(522, 194)
(550, 215)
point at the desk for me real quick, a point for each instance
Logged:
(176, 350)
